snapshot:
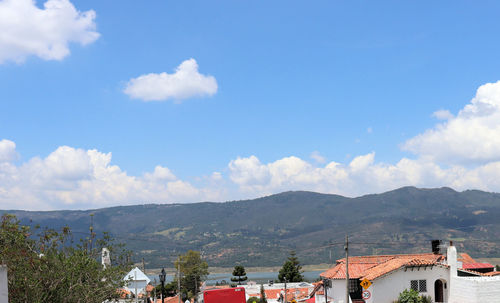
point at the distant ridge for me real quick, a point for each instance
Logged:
(261, 232)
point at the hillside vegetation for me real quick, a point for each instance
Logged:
(261, 232)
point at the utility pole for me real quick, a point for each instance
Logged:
(325, 286)
(195, 289)
(144, 271)
(286, 301)
(346, 269)
(179, 278)
(91, 228)
(135, 283)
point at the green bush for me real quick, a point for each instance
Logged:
(412, 296)
(253, 300)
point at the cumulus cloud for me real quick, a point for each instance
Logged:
(473, 136)
(463, 152)
(361, 176)
(27, 30)
(185, 83)
(76, 178)
(7, 151)
(316, 156)
(443, 114)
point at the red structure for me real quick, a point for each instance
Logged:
(228, 295)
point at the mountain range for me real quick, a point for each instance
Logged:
(262, 232)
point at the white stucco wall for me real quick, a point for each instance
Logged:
(386, 289)
(475, 289)
(4, 293)
(336, 292)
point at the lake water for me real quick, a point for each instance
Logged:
(259, 277)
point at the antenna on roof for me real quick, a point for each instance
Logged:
(436, 246)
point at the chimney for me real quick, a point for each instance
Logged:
(451, 258)
(436, 249)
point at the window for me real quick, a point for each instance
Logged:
(419, 285)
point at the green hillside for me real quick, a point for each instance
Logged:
(261, 232)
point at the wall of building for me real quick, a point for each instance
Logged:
(386, 289)
(337, 291)
(475, 289)
(4, 293)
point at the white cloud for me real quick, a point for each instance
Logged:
(462, 152)
(316, 156)
(76, 178)
(443, 114)
(27, 30)
(473, 136)
(185, 83)
(361, 176)
(7, 151)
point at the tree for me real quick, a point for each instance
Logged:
(291, 270)
(170, 290)
(46, 266)
(262, 294)
(239, 274)
(193, 271)
(253, 300)
(497, 268)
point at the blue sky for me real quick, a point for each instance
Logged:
(342, 80)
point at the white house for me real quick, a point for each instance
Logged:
(431, 274)
(136, 281)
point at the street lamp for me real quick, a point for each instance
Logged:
(163, 275)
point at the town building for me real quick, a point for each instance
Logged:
(442, 277)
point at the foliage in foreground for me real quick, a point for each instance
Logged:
(412, 296)
(291, 270)
(194, 270)
(239, 274)
(46, 266)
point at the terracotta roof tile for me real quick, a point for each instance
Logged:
(476, 265)
(376, 266)
(396, 263)
(360, 266)
(465, 258)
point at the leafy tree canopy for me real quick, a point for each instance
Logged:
(46, 266)
(291, 270)
(239, 274)
(194, 270)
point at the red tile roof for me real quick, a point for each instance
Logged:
(169, 300)
(292, 293)
(376, 266)
(465, 258)
(396, 263)
(476, 265)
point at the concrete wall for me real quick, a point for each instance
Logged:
(386, 289)
(475, 289)
(4, 293)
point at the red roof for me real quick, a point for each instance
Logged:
(291, 293)
(169, 300)
(476, 265)
(376, 266)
